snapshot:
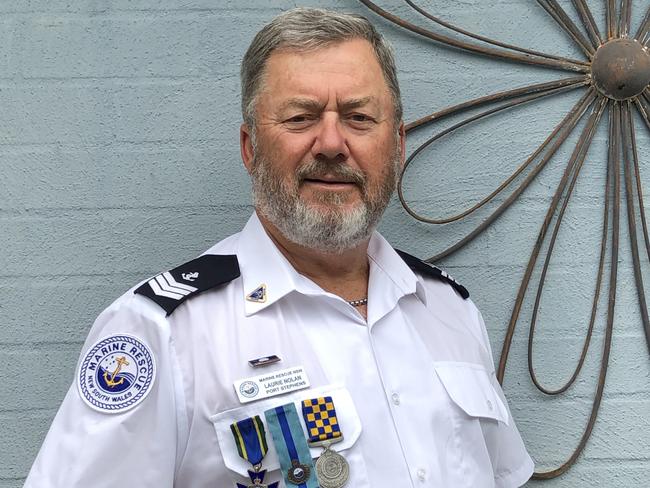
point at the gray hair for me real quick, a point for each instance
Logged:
(307, 29)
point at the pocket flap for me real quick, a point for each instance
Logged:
(345, 412)
(470, 388)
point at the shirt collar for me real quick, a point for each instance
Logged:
(390, 279)
(267, 275)
(265, 272)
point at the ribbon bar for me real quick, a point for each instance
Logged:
(250, 438)
(320, 418)
(295, 458)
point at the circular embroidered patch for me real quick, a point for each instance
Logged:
(116, 374)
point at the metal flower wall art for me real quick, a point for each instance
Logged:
(613, 77)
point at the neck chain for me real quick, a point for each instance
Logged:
(358, 303)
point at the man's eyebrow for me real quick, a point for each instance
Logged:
(351, 103)
(316, 106)
(304, 103)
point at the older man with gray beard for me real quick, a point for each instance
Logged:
(303, 351)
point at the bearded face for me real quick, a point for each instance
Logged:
(327, 221)
(326, 150)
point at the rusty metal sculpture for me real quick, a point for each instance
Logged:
(615, 76)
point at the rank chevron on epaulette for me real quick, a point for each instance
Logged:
(164, 285)
(433, 271)
(205, 272)
(447, 275)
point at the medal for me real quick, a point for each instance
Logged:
(332, 469)
(298, 473)
(250, 439)
(257, 477)
(323, 427)
(291, 445)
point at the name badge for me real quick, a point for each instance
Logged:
(271, 384)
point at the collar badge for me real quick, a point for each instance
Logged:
(258, 295)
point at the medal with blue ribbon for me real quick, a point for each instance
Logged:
(293, 451)
(324, 430)
(250, 438)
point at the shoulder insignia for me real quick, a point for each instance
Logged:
(171, 288)
(432, 271)
(116, 373)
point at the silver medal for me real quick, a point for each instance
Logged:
(332, 469)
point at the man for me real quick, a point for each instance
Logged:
(198, 376)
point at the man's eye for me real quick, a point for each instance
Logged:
(360, 118)
(299, 119)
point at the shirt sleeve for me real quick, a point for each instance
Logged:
(511, 464)
(99, 447)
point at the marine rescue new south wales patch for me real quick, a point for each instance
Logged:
(116, 374)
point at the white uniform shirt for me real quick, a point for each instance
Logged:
(414, 385)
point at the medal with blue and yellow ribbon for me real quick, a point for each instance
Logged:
(250, 438)
(324, 430)
(293, 451)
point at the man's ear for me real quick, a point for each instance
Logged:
(246, 146)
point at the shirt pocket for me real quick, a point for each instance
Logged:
(476, 412)
(470, 388)
(347, 416)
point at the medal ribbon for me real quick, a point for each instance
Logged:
(250, 439)
(320, 419)
(290, 442)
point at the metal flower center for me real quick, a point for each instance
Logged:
(621, 69)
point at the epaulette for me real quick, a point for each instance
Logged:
(432, 271)
(171, 288)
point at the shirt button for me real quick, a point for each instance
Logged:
(395, 398)
(489, 405)
(422, 474)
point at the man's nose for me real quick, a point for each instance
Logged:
(331, 142)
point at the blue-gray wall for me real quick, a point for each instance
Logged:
(119, 158)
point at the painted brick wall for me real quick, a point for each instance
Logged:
(118, 157)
